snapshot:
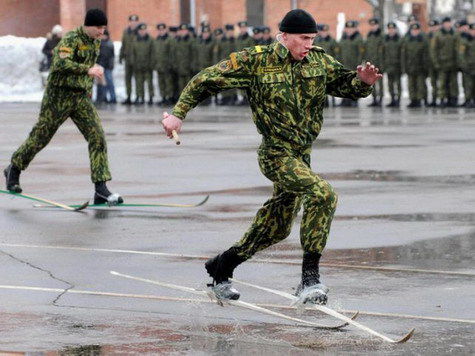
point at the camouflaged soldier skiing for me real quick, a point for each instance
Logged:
(415, 60)
(392, 56)
(351, 51)
(287, 83)
(434, 26)
(466, 59)
(142, 54)
(128, 36)
(445, 61)
(161, 63)
(68, 94)
(374, 54)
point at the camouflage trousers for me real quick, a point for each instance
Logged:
(165, 84)
(394, 84)
(58, 104)
(434, 76)
(142, 76)
(448, 86)
(417, 86)
(129, 73)
(468, 86)
(378, 90)
(294, 184)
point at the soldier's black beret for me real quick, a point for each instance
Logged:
(298, 21)
(242, 23)
(462, 22)
(229, 27)
(374, 21)
(183, 26)
(446, 19)
(218, 31)
(173, 28)
(256, 30)
(415, 26)
(161, 26)
(133, 18)
(142, 26)
(391, 25)
(434, 22)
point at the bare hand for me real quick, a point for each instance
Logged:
(368, 73)
(171, 123)
(96, 71)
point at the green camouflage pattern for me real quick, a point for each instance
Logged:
(128, 36)
(415, 63)
(444, 54)
(286, 98)
(466, 60)
(392, 63)
(182, 60)
(328, 44)
(57, 105)
(162, 64)
(142, 54)
(244, 41)
(374, 54)
(351, 50)
(72, 58)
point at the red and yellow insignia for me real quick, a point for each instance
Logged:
(64, 52)
(224, 66)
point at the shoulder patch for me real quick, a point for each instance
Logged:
(224, 66)
(233, 59)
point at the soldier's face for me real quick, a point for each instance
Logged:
(415, 31)
(142, 32)
(447, 25)
(391, 31)
(299, 44)
(95, 32)
(205, 35)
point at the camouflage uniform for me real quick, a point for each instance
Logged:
(227, 46)
(374, 54)
(433, 72)
(466, 56)
(128, 37)
(68, 94)
(142, 54)
(183, 60)
(392, 54)
(161, 63)
(286, 99)
(415, 54)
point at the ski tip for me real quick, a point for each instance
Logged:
(407, 337)
(83, 206)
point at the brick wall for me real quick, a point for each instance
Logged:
(71, 13)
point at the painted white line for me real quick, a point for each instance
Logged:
(254, 260)
(192, 300)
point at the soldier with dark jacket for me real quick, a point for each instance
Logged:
(266, 36)
(204, 55)
(434, 26)
(351, 51)
(392, 53)
(128, 36)
(161, 63)
(142, 54)
(415, 59)
(106, 93)
(173, 33)
(445, 60)
(466, 59)
(374, 54)
(68, 95)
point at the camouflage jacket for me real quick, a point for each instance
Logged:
(327, 43)
(142, 52)
(286, 96)
(415, 55)
(244, 41)
(72, 58)
(204, 53)
(351, 50)
(161, 53)
(466, 54)
(128, 37)
(392, 54)
(374, 47)
(445, 50)
(182, 55)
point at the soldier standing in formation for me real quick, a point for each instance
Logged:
(266, 36)
(128, 37)
(182, 56)
(326, 41)
(162, 64)
(434, 26)
(257, 35)
(462, 36)
(466, 56)
(228, 46)
(392, 46)
(415, 53)
(204, 54)
(374, 54)
(142, 54)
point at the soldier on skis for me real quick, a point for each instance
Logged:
(68, 94)
(287, 83)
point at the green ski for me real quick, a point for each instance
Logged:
(46, 201)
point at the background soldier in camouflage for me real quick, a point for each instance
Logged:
(287, 83)
(173, 32)
(374, 54)
(228, 46)
(128, 37)
(466, 55)
(434, 26)
(142, 54)
(445, 61)
(243, 41)
(266, 36)
(351, 51)
(204, 55)
(161, 63)
(328, 43)
(415, 54)
(257, 35)
(462, 36)
(68, 94)
(392, 54)
(182, 56)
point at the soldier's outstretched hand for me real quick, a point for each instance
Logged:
(171, 123)
(368, 73)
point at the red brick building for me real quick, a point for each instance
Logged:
(32, 18)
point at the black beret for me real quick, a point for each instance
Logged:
(391, 25)
(415, 26)
(298, 21)
(446, 19)
(161, 26)
(374, 21)
(434, 22)
(133, 18)
(173, 28)
(242, 23)
(95, 17)
(229, 27)
(462, 22)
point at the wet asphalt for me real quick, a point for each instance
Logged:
(401, 249)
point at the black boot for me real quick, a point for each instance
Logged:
(102, 195)
(127, 101)
(221, 268)
(150, 101)
(374, 103)
(392, 103)
(310, 289)
(12, 176)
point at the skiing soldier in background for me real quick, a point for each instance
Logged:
(434, 26)
(392, 46)
(68, 94)
(125, 54)
(142, 56)
(161, 63)
(415, 60)
(374, 54)
(287, 83)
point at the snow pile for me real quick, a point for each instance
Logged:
(20, 78)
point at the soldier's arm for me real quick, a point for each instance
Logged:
(343, 82)
(62, 57)
(234, 72)
(122, 48)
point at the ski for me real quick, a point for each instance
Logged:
(165, 205)
(237, 303)
(49, 202)
(331, 312)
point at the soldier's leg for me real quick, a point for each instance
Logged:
(139, 85)
(161, 85)
(55, 109)
(411, 86)
(398, 86)
(149, 79)
(129, 70)
(442, 81)
(434, 85)
(88, 122)
(453, 86)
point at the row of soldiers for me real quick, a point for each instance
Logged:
(439, 55)
(177, 54)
